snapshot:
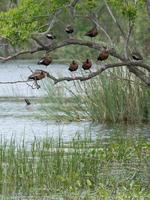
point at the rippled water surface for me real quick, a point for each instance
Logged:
(19, 122)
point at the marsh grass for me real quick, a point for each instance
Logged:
(115, 96)
(115, 168)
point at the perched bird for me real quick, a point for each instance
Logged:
(87, 64)
(92, 33)
(137, 56)
(38, 75)
(50, 36)
(73, 66)
(46, 60)
(69, 29)
(27, 102)
(103, 55)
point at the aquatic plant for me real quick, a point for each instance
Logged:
(117, 167)
(115, 96)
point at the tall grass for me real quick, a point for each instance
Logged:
(116, 168)
(114, 96)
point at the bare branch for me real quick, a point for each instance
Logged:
(131, 25)
(55, 15)
(89, 44)
(4, 59)
(140, 74)
(74, 2)
(95, 20)
(131, 66)
(114, 19)
(14, 82)
(38, 41)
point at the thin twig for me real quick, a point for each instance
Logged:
(114, 19)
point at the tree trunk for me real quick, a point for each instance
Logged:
(148, 7)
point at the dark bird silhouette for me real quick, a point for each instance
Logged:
(92, 33)
(69, 29)
(50, 36)
(45, 61)
(87, 64)
(137, 56)
(27, 102)
(103, 55)
(73, 66)
(38, 75)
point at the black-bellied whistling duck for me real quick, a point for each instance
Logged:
(73, 66)
(38, 75)
(69, 29)
(103, 55)
(87, 64)
(137, 56)
(92, 33)
(45, 61)
(50, 36)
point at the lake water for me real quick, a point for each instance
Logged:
(18, 122)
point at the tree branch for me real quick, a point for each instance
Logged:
(148, 7)
(4, 59)
(131, 66)
(114, 19)
(131, 25)
(95, 20)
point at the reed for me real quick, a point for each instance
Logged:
(116, 168)
(115, 96)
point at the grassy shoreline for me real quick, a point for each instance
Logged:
(116, 168)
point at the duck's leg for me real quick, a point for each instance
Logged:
(36, 84)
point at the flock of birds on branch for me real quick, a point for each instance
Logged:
(47, 60)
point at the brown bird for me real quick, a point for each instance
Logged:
(73, 66)
(87, 64)
(38, 75)
(45, 61)
(50, 36)
(103, 55)
(69, 29)
(92, 33)
(137, 56)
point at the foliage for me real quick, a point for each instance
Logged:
(18, 23)
(29, 16)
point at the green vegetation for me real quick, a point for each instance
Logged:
(116, 168)
(115, 96)
(21, 19)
